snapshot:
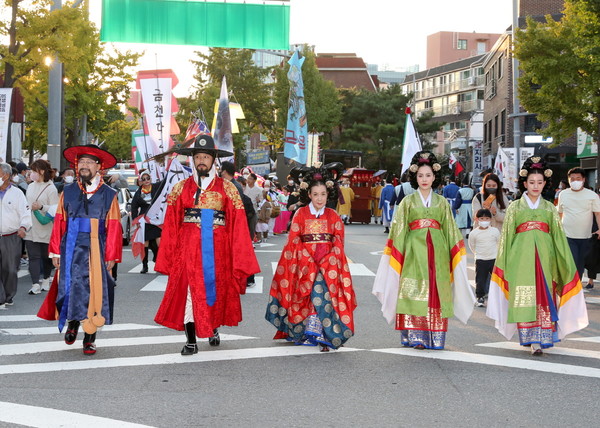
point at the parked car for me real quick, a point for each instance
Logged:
(124, 196)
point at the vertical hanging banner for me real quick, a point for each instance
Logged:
(296, 132)
(199, 23)
(158, 106)
(222, 132)
(5, 100)
(477, 161)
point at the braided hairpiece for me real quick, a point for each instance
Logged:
(424, 158)
(535, 164)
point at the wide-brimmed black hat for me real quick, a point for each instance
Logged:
(204, 144)
(105, 159)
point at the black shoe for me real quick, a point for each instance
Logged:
(189, 349)
(387, 230)
(71, 334)
(89, 347)
(216, 339)
(144, 269)
(588, 287)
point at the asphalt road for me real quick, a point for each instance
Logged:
(139, 377)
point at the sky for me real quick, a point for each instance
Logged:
(390, 33)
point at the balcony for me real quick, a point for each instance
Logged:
(454, 109)
(450, 88)
(490, 89)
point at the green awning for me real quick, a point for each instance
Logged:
(200, 23)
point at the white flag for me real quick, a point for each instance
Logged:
(156, 212)
(411, 143)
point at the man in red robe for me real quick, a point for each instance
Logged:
(205, 249)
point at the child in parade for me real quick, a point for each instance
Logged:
(535, 286)
(483, 241)
(425, 252)
(311, 299)
(264, 215)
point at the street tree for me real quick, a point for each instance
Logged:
(247, 85)
(373, 123)
(562, 85)
(96, 76)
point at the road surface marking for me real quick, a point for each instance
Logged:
(160, 284)
(33, 416)
(286, 350)
(534, 363)
(40, 347)
(583, 353)
(593, 339)
(18, 318)
(54, 330)
(138, 268)
(592, 299)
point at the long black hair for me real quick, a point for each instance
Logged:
(499, 193)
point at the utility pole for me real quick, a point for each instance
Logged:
(55, 106)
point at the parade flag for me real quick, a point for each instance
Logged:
(296, 132)
(156, 213)
(455, 165)
(144, 149)
(505, 170)
(5, 100)
(222, 125)
(197, 127)
(411, 143)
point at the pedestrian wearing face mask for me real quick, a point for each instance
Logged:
(483, 241)
(577, 207)
(42, 197)
(492, 198)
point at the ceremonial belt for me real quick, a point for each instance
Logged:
(193, 215)
(533, 225)
(316, 238)
(424, 223)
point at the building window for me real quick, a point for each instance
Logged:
(481, 47)
(461, 44)
(500, 65)
(485, 140)
(429, 104)
(503, 125)
(496, 126)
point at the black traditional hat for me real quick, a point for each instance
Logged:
(105, 159)
(204, 144)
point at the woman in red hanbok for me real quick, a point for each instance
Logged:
(312, 300)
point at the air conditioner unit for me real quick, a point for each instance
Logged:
(455, 110)
(472, 81)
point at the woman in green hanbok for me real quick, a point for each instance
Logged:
(535, 287)
(422, 278)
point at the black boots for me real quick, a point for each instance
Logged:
(89, 347)
(145, 262)
(216, 339)
(190, 347)
(71, 334)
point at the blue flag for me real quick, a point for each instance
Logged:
(296, 132)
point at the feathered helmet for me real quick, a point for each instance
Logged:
(534, 164)
(424, 158)
(318, 174)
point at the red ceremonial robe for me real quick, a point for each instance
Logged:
(181, 258)
(315, 245)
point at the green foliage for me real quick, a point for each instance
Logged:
(373, 123)
(245, 84)
(323, 106)
(96, 78)
(562, 85)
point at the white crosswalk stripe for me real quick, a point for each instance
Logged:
(160, 284)
(356, 269)
(53, 330)
(583, 353)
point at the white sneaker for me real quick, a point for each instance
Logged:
(35, 289)
(46, 284)
(3, 307)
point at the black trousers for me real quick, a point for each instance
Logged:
(10, 254)
(483, 273)
(40, 265)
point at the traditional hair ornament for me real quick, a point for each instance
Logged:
(413, 168)
(523, 173)
(436, 167)
(304, 185)
(535, 159)
(329, 184)
(548, 173)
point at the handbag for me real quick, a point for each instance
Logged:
(41, 217)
